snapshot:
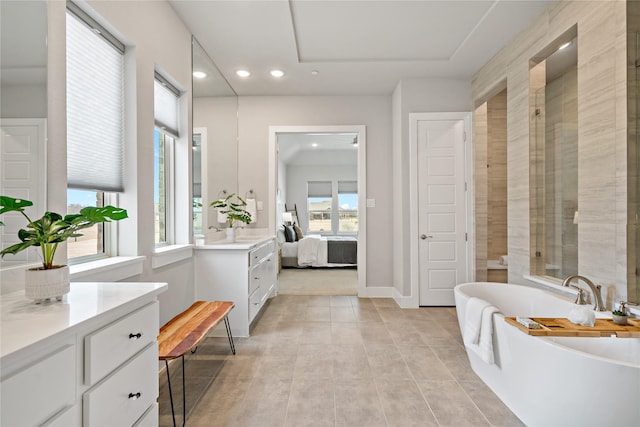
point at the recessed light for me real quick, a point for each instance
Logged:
(243, 73)
(199, 74)
(565, 45)
(315, 72)
(314, 145)
(277, 73)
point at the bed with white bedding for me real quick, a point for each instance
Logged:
(320, 251)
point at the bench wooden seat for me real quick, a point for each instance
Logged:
(185, 331)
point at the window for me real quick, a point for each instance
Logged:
(95, 125)
(196, 175)
(92, 241)
(319, 201)
(166, 118)
(326, 197)
(348, 206)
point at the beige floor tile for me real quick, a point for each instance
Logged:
(337, 361)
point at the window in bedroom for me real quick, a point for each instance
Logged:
(319, 204)
(95, 128)
(348, 206)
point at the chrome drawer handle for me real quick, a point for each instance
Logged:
(135, 336)
(256, 278)
(135, 396)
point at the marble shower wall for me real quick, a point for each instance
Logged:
(602, 136)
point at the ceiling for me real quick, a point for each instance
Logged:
(357, 47)
(318, 149)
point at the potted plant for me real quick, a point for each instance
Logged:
(232, 207)
(619, 317)
(47, 232)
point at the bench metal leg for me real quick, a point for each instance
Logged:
(226, 324)
(184, 395)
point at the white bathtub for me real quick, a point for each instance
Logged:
(559, 381)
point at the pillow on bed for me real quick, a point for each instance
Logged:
(289, 233)
(298, 230)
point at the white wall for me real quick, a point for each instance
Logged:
(416, 96)
(256, 114)
(297, 177)
(24, 102)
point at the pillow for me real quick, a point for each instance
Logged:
(280, 236)
(298, 230)
(289, 233)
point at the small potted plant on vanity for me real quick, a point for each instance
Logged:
(620, 315)
(232, 207)
(47, 232)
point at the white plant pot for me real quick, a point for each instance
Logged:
(40, 285)
(231, 235)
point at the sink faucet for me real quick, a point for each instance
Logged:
(595, 289)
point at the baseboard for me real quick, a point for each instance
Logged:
(378, 292)
(404, 301)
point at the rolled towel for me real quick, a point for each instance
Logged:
(473, 319)
(582, 316)
(251, 208)
(504, 260)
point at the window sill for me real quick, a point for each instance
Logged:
(170, 254)
(552, 284)
(110, 269)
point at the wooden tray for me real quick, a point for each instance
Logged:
(561, 327)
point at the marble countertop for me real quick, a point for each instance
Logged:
(244, 242)
(24, 323)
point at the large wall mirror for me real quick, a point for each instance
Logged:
(554, 147)
(23, 113)
(215, 139)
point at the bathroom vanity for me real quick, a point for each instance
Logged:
(91, 359)
(244, 272)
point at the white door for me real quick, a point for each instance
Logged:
(22, 167)
(442, 210)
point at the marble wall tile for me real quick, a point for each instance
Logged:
(602, 133)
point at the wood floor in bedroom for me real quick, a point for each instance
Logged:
(318, 281)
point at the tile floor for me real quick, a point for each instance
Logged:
(337, 361)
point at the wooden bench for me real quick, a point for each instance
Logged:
(185, 331)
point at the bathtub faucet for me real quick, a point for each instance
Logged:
(595, 289)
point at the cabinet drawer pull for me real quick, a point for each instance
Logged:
(256, 303)
(135, 396)
(256, 278)
(135, 336)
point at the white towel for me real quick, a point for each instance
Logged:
(251, 208)
(222, 218)
(504, 260)
(478, 329)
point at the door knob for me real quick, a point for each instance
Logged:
(424, 237)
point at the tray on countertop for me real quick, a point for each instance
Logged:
(562, 327)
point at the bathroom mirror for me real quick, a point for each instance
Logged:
(23, 113)
(215, 138)
(554, 149)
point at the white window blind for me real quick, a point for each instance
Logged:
(347, 187)
(95, 106)
(319, 189)
(165, 105)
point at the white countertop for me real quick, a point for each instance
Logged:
(24, 323)
(244, 242)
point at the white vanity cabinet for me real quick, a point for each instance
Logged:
(245, 273)
(90, 360)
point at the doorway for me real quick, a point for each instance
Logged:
(355, 136)
(441, 224)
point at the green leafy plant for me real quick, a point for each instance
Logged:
(619, 313)
(52, 228)
(233, 207)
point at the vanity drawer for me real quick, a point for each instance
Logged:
(123, 397)
(150, 418)
(255, 302)
(256, 277)
(51, 382)
(256, 255)
(109, 347)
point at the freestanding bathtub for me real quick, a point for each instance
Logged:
(554, 381)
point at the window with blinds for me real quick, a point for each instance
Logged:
(95, 126)
(348, 206)
(319, 205)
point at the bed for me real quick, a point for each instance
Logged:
(320, 251)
